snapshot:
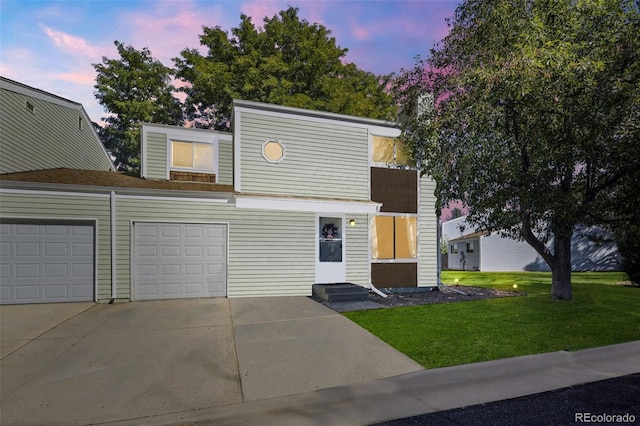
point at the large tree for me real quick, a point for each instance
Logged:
(535, 123)
(134, 88)
(286, 62)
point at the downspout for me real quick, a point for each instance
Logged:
(376, 291)
(113, 247)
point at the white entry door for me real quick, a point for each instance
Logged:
(178, 260)
(330, 250)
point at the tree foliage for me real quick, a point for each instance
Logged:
(134, 88)
(286, 62)
(535, 125)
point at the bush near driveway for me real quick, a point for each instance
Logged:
(601, 313)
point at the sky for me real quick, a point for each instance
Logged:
(51, 45)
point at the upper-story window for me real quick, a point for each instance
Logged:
(389, 151)
(192, 155)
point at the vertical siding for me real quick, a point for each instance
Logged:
(271, 253)
(69, 207)
(428, 245)
(225, 162)
(156, 156)
(322, 159)
(48, 138)
(358, 250)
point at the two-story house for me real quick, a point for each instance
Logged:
(290, 198)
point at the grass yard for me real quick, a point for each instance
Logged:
(601, 313)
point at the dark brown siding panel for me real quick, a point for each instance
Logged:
(386, 275)
(396, 189)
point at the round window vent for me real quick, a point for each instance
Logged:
(273, 151)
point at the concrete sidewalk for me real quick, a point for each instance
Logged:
(422, 392)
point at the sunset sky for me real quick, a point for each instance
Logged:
(51, 45)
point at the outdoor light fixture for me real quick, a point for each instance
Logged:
(352, 222)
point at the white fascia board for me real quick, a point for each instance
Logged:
(236, 145)
(192, 133)
(376, 127)
(306, 205)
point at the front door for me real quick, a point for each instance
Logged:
(330, 250)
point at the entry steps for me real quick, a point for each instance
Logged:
(340, 292)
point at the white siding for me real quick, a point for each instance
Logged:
(225, 162)
(322, 159)
(271, 253)
(357, 240)
(506, 254)
(428, 245)
(54, 135)
(156, 156)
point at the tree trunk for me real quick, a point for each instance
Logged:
(561, 267)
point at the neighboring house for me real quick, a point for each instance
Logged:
(471, 250)
(39, 130)
(293, 197)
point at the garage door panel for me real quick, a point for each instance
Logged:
(180, 262)
(46, 263)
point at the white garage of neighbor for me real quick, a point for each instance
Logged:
(179, 260)
(46, 262)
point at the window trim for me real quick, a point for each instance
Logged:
(393, 164)
(276, 141)
(213, 143)
(394, 260)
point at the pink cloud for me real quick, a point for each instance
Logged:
(87, 78)
(171, 27)
(70, 43)
(258, 10)
(361, 33)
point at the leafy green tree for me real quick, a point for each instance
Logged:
(535, 124)
(135, 88)
(288, 62)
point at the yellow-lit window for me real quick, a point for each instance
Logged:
(182, 154)
(389, 151)
(191, 155)
(394, 237)
(383, 149)
(382, 237)
(405, 237)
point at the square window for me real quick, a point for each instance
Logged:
(192, 155)
(202, 156)
(181, 154)
(394, 237)
(383, 149)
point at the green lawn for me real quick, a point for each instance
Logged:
(601, 313)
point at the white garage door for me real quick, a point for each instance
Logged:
(177, 260)
(46, 263)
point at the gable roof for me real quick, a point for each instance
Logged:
(41, 130)
(470, 236)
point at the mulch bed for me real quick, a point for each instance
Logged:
(442, 295)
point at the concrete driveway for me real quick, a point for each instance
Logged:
(86, 363)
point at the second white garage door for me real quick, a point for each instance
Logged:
(179, 260)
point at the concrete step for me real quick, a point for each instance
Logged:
(347, 297)
(342, 292)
